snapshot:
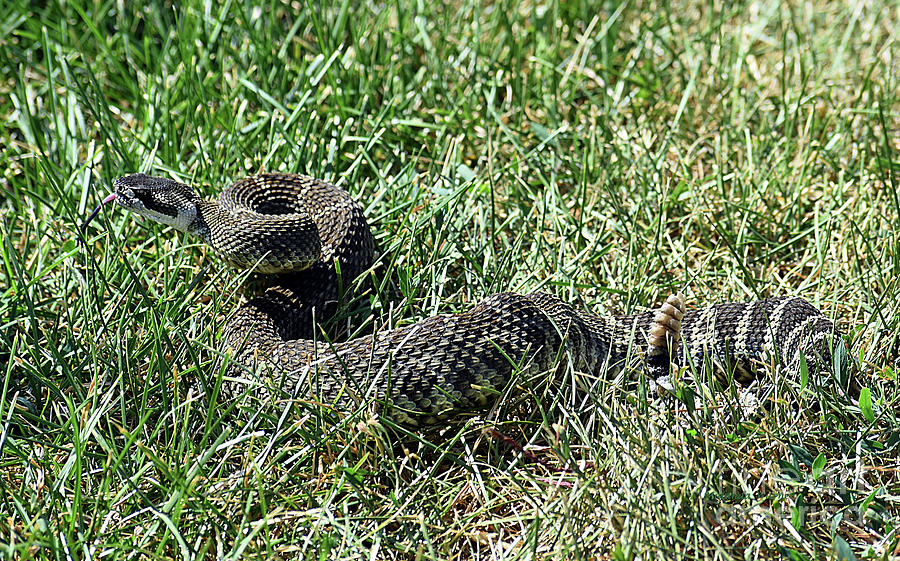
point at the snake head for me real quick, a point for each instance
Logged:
(162, 200)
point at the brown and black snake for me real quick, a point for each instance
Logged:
(312, 238)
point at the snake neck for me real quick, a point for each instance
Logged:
(265, 243)
(200, 226)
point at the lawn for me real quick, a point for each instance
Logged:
(608, 153)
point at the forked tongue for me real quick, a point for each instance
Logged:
(110, 198)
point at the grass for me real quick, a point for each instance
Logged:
(610, 153)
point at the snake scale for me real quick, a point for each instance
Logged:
(313, 238)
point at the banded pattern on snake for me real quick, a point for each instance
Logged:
(304, 232)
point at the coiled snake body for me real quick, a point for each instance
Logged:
(313, 238)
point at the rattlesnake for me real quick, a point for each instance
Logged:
(313, 238)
